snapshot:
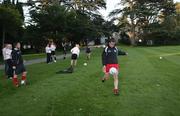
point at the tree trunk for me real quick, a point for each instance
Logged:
(132, 38)
(3, 38)
(132, 35)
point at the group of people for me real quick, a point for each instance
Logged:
(14, 64)
(75, 51)
(51, 52)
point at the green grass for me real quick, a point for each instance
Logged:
(148, 87)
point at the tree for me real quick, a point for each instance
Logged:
(57, 21)
(141, 13)
(10, 21)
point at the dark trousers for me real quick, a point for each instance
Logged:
(8, 68)
(49, 58)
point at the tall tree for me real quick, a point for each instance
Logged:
(10, 21)
(142, 13)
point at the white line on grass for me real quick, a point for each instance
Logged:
(168, 54)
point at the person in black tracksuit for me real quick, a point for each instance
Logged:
(110, 60)
(18, 65)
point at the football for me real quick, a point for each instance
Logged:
(113, 71)
(85, 64)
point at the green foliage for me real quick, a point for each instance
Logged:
(57, 22)
(9, 17)
(85, 6)
(142, 14)
(10, 21)
(166, 32)
(19, 7)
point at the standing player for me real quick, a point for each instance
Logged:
(8, 60)
(18, 65)
(4, 57)
(75, 54)
(88, 52)
(48, 53)
(53, 53)
(110, 60)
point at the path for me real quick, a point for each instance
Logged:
(40, 60)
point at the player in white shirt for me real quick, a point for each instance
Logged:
(53, 53)
(4, 57)
(48, 52)
(75, 54)
(3, 50)
(7, 50)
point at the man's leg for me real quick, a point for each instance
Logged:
(116, 81)
(10, 69)
(15, 80)
(72, 63)
(51, 57)
(64, 54)
(55, 58)
(5, 69)
(75, 62)
(106, 77)
(88, 56)
(47, 59)
(23, 79)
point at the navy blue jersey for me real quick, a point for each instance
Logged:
(109, 55)
(17, 57)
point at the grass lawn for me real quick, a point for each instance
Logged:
(148, 87)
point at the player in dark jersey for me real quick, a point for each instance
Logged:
(110, 60)
(18, 65)
(88, 52)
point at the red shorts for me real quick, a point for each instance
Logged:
(109, 66)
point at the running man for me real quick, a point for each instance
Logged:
(109, 60)
(75, 54)
(18, 65)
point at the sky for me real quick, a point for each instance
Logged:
(110, 6)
